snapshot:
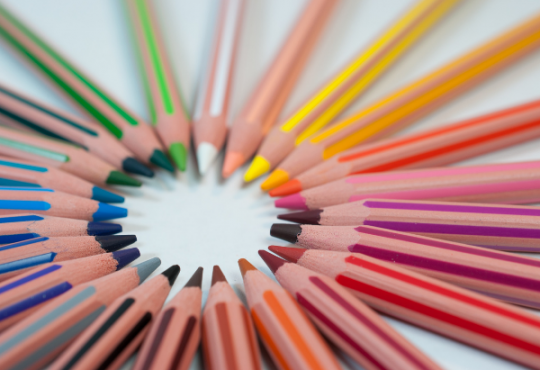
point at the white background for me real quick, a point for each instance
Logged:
(201, 222)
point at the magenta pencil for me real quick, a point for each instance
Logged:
(511, 228)
(347, 321)
(499, 328)
(511, 183)
(19, 257)
(25, 293)
(35, 341)
(505, 276)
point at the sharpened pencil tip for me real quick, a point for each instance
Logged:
(196, 279)
(258, 167)
(287, 232)
(276, 178)
(107, 212)
(102, 195)
(245, 266)
(171, 274)
(206, 154)
(308, 217)
(111, 243)
(179, 155)
(295, 201)
(289, 188)
(160, 159)
(233, 160)
(144, 269)
(103, 228)
(132, 165)
(273, 262)
(125, 257)
(217, 275)
(290, 254)
(120, 178)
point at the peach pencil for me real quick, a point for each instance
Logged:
(289, 336)
(109, 341)
(504, 276)
(268, 98)
(19, 257)
(348, 84)
(16, 228)
(64, 156)
(28, 174)
(440, 146)
(228, 337)
(15, 200)
(168, 115)
(412, 102)
(35, 341)
(212, 108)
(512, 183)
(125, 125)
(510, 228)
(347, 321)
(25, 293)
(23, 112)
(479, 321)
(175, 333)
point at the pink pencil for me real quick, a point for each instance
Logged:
(35, 341)
(264, 106)
(511, 183)
(211, 112)
(499, 328)
(347, 321)
(109, 341)
(228, 337)
(505, 276)
(25, 293)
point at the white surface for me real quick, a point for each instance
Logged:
(201, 222)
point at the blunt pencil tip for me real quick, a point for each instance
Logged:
(217, 275)
(290, 187)
(107, 212)
(295, 201)
(196, 279)
(276, 178)
(125, 256)
(111, 243)
(103, 228)
(179, 155)
(233, 160)
(273, 262)
(245, 266)
(259, 166)
(159, 159)
(206, 154)
(102, 195)
(308, 217)
(120, 178)
(287, 232)
(171, 274)
(132, 165)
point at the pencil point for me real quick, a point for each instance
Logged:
(287, 232)
(308, 217)
(273, 262)
(120, 178)
(132, 165)
(217, 275)
(160, 159)
(102, 195)
(111, 243)
(245, 266)
(259, 166)
(233, 160)
(125, 257)
(171, 274)
(295, 201)
(290, 254)
(144, 269)
(206, 154)
(179, 155)
(276, 178)
(290, 187)
(196, 279)
(103, 228)
(106, 212)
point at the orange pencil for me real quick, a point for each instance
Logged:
(175, 333)
(288, 335)
(265, 104)
(120, 329)
(347, 321)
(228, 337)
(35, 341)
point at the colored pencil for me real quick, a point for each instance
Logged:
(263, 107)
(412, 102)
(288, 335)
(228, 337)
(23, 112)
(212, 108)
(17, 258)
(504, 276)
(125, 125)
(440, 146)
(109, 341)
(36, 340)
(346, 321)
(16, 228)
(175, 333)
(18, 201)
(513, 183)
(169, 118)
(27, 174)
(510, 228)
(25, 293)
(330, 100)
(67, 157)
(499, 328)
